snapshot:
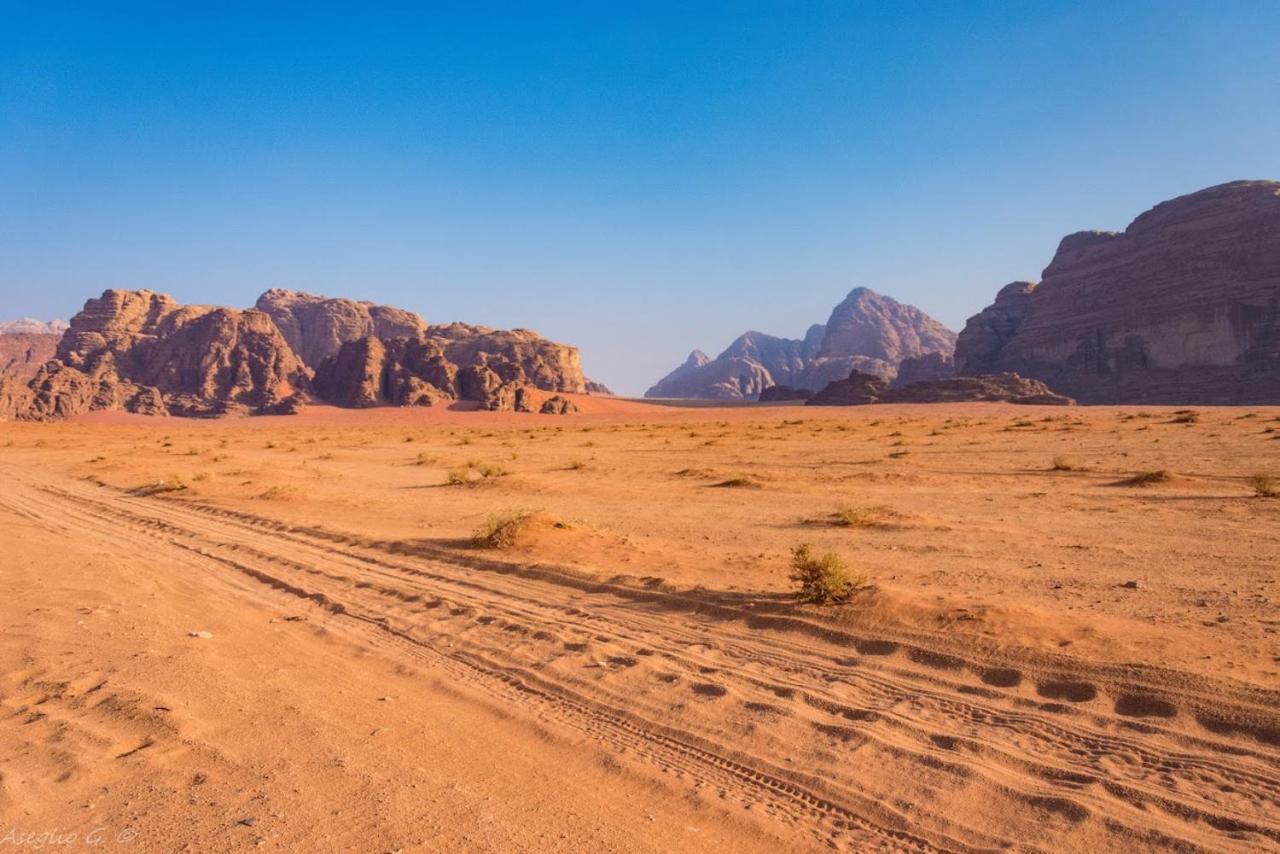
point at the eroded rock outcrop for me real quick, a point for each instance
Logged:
(142, 352)
(930, 366)
(447, 363)
(866, 332)
(1183, 306)
(856, 389)
(316, 327)
(1007, 388)
(860, 389)
(22, 353)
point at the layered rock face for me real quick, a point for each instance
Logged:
(866, 332)
(142, 352)
(1181, 307)
(860, 388)
(1007, 388)
(446, 363)
(316, 326)
(918, 369)
(22, 353)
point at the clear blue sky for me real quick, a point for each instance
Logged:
(636, 179)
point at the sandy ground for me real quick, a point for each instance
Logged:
(1046, 657)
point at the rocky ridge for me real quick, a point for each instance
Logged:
(1181, 307)
(140, 351)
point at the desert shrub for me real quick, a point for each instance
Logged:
(501, 530)
(1148, 478)
(577, 465)
(1265, 486)
(172, 484)
(278, 493)
(1185, 416)
(1064, 464)
(859, 517)
(822, 580)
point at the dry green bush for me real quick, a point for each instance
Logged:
(822, 580)
(1265, 486)
(501, 530)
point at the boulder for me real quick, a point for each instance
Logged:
(557, 405)
(856, 389)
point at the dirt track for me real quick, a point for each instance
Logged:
(803, 732)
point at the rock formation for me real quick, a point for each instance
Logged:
(866, 332)
(1183, 306)
(142, 352)
(557, 405)
(446, 363)
(22, 353)
(857, 388)
(930, 366)
(1007, 388)
(316, 326)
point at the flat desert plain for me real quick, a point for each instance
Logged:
(278, 632)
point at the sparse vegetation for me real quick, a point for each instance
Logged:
(160, 487)
(1148, 478)
(822, 580)
(1064, 464)
(1265, 486)
(502, 530)
(1185, 416)
(859, 517)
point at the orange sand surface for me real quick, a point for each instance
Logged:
(277, 632)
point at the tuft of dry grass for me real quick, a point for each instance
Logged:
(501, 530)
(1265, 486)
(859, 517)
(160, 487)
(1064, 464)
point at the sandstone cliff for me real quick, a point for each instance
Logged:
(22, 353)
(316, 326)
(866, 332)
(142, 352)
(1183, 306)
(446, 363)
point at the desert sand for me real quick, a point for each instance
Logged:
(277, 633)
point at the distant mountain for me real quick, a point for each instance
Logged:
(867, 332)
(31, 326)
(1183, 306)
